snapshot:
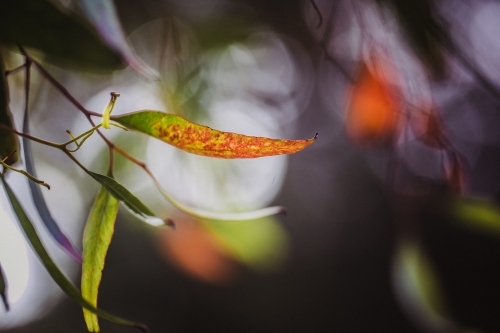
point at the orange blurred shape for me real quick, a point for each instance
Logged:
(193, 250)
(372, 115)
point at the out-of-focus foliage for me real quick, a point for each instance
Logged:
(64, 38)
(9, 144)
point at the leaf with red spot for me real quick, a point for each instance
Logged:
(203, 140)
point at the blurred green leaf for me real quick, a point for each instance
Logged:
(96, 240)
(65, 38)
(3, 290)
(418, 289)
(103, 16)
(478, 214)
(56, 274)
(261, 244)
(202, 140)
(121, 193)
(8, 140)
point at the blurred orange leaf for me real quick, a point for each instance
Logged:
(372, 115)
(203, 140)
(193, 250)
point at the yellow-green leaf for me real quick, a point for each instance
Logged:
(203, 140)
(8, 140)
(96, 239)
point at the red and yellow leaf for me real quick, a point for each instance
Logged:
(203, 140)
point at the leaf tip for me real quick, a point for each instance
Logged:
(170, 223)
(5, 302)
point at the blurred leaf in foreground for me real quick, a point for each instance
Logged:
(203, 140)
(3, 290)
(8, 140)
(103, 16)
(214, 251)
(56, 274)
(65, 38)
(39, 200)
(96, 240)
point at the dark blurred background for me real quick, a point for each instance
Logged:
(372, 243)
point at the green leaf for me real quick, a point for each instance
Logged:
(3, 290)
(202, 140)
(478, 214)
(121, 193)
(8, 140)
(261, 244)
(103, 16)
(56, 274)
(65, 38)
(96, 240)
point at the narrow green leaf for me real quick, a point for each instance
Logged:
(8, 140)
(96, 240)
(121, 193)
(39, 200)
(56, 274)
(65, 38)
(203, 140)
(3, 290)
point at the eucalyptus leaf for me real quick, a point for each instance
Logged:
(96, 240)
(3, 290)
(65, 39)
(202, 140)
(56, 274)
(8, 140)
(39, 201)
(122, 194)
(103, 16)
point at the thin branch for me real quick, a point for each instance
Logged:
(15, 70)
(58, 85)
(324, 40)
(316, 9)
